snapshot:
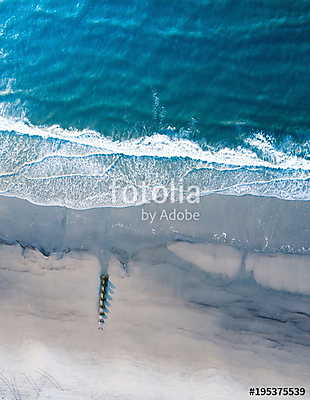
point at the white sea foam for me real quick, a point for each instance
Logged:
(159, 145)
(56, 166)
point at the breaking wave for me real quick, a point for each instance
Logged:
(76, 169)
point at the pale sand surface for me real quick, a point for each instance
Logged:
(281, 271)
(174, 330)
(217, 259)
(284, 272)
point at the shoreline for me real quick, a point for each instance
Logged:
(264, 240)
(258, 224)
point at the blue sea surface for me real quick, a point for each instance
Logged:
(214, 93)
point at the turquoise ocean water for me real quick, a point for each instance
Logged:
(213, 93)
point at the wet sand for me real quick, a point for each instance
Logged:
(254, 223)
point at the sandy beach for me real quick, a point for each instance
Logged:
(188, 319)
